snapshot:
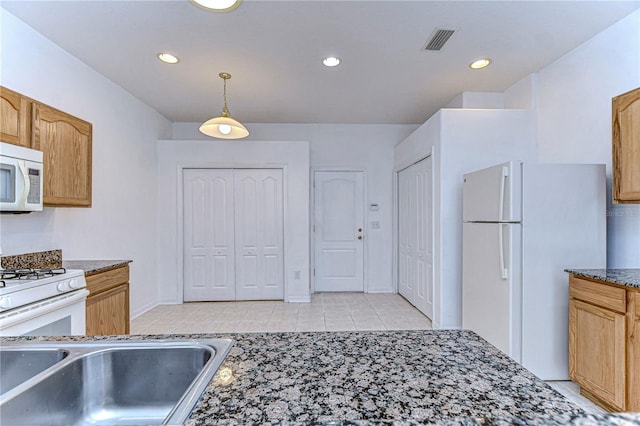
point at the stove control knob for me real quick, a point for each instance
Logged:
(63, 286)
(5, 302)
(75, 283)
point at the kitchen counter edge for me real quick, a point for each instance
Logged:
(624, 277)
(91, 267)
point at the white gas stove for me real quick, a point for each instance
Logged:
(42, 302)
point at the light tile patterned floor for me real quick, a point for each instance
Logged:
(326, 312)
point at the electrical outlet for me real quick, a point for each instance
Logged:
(375, 224)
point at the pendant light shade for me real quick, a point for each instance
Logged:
(224, 127)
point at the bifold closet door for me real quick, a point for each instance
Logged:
(209, 249)
(415, 236)
(258, 232)
(233, 234)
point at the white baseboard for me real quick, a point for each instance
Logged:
(299, 299)
(145, 308)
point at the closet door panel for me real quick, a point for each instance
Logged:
(209, 264)
(259, 234)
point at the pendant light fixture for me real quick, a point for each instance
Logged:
(224, 127)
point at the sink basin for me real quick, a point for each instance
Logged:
(121, 383)
(18, 366)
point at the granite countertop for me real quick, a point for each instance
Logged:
(386, 377)
(625, 277)
(94, 266)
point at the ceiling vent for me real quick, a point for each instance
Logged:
(438, 39)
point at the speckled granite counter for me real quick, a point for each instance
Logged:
(94, 266)
(399, 377)
(625, 277)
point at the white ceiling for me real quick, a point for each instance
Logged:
(273, 49)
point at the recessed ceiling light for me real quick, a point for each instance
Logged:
(168, 58)
(331, 61)
(480, 63)
(219, 6)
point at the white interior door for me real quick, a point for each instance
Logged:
(415, 235)
(233, 234)
(339, 230)
(258, 225)
(209, 265)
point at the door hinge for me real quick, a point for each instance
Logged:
(314, 272)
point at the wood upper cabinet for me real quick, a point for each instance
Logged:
(626, 147)
(604, 337)
(15, 118)
(108, 302)
(65, 142)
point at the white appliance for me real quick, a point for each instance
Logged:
(523, 224)
(42, 302)
(20, 179)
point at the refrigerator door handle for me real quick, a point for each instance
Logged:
(503, 185)
(504, 272)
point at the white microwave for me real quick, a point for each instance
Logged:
(20, 179)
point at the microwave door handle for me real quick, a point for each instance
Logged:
(27, 183)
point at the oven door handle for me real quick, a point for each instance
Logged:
(33, 310)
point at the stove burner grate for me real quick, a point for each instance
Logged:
(28, 274)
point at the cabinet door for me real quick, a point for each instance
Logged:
(597, 353)
(626, 147)
(65, 142)
(108, 312)
(633, 351)
(15, 118)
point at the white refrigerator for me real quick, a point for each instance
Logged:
(523, 224)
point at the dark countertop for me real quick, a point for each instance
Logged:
(399, 377)
(91, 267)
(625, 277)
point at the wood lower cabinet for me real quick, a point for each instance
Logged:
(626, 147)
(65, 142)
(108, 302)
(15, 118)
(604, 328)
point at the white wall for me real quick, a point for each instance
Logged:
(121, 222)
(174, 156)
(345, 146)
(461, 140)
(574, 119)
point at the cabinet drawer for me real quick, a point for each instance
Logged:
(104, 281)
(599, 294)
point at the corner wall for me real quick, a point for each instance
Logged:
(121, 222)
(574, 119)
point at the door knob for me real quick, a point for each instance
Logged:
(359, 237)
(359, 229)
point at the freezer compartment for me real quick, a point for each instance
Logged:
(493, 194)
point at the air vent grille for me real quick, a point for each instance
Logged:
(439, 38)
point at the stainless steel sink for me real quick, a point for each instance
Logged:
(116, 383)
(19, 365)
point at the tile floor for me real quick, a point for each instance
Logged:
(326, 312)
